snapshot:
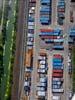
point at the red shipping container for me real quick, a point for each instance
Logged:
(57, 75)
(57, 56)
(58, 71)
(47, 37)
(46, 30)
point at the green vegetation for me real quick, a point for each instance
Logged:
(7, 49)
(73, 61)
(0, 15)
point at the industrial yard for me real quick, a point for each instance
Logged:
(44, 63)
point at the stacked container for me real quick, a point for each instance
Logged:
(61, 11)
(45, 12)
(52, 36)
(57, 74)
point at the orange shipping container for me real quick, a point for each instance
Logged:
(28, 58)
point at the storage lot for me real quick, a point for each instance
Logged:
(49, 72)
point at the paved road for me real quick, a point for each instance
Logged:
(36, 49)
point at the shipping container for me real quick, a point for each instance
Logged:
(58, 67)
(30, 27)
(30, 35)
(58, 47)
(31, 31)
(49, 40)
(57, 71)
(57, 75)
(41, 93)
(30, 19)
(57, 64)
(46, 30)
(29, 43)
(59, 40)
(56, 98)
(28, 58)
(45, 2)
(30, 23)
(32, 1)
(55, 86)
(58, 79)
(46, 33)
(56, 82)
(57, 60)
(57, 56)
(57, 90)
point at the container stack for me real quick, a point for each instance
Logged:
(45, 12)
(57, 74)
(61, 11)
(54, 36)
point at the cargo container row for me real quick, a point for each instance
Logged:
(57, 74)
(45, 12)
(60, 12)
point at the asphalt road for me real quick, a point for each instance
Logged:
(35, 53)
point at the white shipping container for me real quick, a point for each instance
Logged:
(41, 70)
(26, 83)
(56, 98)
(41, 93)
(57, 79)
(58, 40)
(41, 57)
(30, 27)
(30, 23)
(42, 62)
(42, 66)
(43, 79)
(29, 43)
(58, 90)
(29, 47)
(30, 35)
